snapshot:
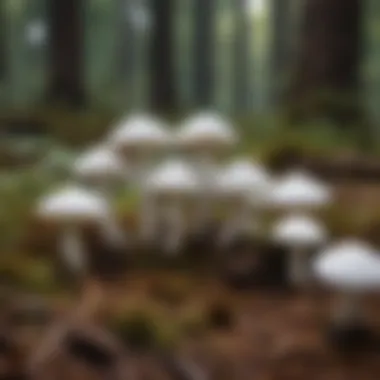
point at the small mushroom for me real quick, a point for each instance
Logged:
(139, 138)
(351, 268)
(299, 233)
(99, 167)
(73, 207)
(240, 182)
(298, 191)
(175, 182)
(205, 131)
(205, 135)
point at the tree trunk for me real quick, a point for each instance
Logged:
(281, 23)
(125, 47)
(204, 42)
(241, 69)
(66, 82)
(326, 74)
(3, 42)
(163, 81)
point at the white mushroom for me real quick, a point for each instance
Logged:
(73, 207)
(139, 137)
(299, 233)
(206, 131)
(99, 167)
(204, 135)
(175, 181)
(241, 181)
(351, 268)
(300, 191)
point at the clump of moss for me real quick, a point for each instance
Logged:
(136, 331)
(144, 330)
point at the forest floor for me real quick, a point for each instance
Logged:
(269, 335)
(279, 335)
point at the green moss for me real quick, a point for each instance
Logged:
(145, 330)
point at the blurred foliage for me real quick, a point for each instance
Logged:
(24, 273)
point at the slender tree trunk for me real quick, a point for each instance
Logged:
(66, 83)
(125, 46)
(280, 58)
(241, 68)
(204, 53)
(163, 80)
(326, 74)
(3, 42)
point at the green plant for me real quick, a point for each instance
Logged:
(137, 330)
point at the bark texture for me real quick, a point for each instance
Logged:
(66, 82)
(163, 89)
(326, 74)
(204, 42)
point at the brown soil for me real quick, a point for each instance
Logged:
(274, 335)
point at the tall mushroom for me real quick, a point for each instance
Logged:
(174, 182)
(139, 138)
(240, 181)
(351, 268)
(100, 168)
(204, 136)
(299, 233)
(72, 208)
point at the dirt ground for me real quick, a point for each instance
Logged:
(273, 334)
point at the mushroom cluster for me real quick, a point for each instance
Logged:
(185, 179)
(171, 169)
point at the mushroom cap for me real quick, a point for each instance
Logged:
(206, 130)
(298, 189)
(244, 177)
(299, 230)
(99, 162)
(73, 205)
(141, 132)
(349, 265)
(174, 177)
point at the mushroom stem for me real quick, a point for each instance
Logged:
(299, 272)
(148, 217)
(176, 227)
(348, 309)
(112, 231)
(205, 169)
(239, 224)
(72, 250)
